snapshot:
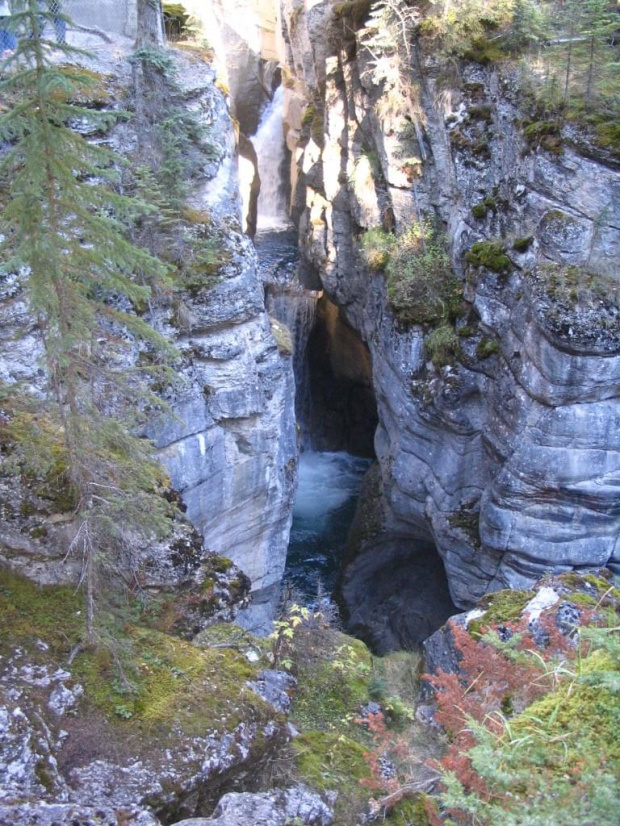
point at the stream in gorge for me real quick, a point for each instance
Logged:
(329, 481)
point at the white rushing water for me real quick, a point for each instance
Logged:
(329, 485)
(270, 149)
(327, 481)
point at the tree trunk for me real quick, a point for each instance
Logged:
(569, 58)
(590, 74)
(150, 24)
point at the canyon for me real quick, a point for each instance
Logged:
(343, 453)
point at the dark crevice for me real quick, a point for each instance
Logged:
(342, 412)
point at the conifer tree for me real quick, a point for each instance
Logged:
(528, 25)
(599, 23)
(66, 227)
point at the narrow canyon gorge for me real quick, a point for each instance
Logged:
(350, 416)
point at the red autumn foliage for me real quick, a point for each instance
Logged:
(491, 681)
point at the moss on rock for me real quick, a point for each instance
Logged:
(500, 607)
(489, 254)
(333, 673)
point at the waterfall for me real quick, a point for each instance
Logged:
(270, 149)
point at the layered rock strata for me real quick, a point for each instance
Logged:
(508, 457)
(228, 439)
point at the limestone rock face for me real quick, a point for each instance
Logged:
(51, 775)
(296, 805)
(228, 440)
(508, 458)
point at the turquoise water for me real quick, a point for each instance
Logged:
(329, 485)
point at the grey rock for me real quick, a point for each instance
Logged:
(439, 649)
(567, 617)
(228, 439)
(298, 805)
(274, 687)
(72, 814)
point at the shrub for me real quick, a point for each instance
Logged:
(531, 726)
(443, 345)
(422, 287)
(376, 248)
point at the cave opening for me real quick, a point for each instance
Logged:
(341, 411)
(337, 415)
(392, 590)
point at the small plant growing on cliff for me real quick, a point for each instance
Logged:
(376, 248)
(422, 287)
(443, 345)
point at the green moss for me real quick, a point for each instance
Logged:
(282, 335)
(585, 717)
(523, 244)
(229, 634)
(170, 684)
(501, 607)
(583, 599)
(44, 776)
(544, 134)
(327, 762)
(317, 128)
(598, 582)
(468, 331)
(196, 217)
(485, 52)
(308, 115)
(592, 585)
(26, 509)
(355, 11)
(90, 88)
(395, 684)
(442, 345)
(489, 254)
(38, 533)
(54, 615)
(479, 211)
(143, 678)
(487, 347)
(481, 113)
(608, 136)
(467, 520)
(219, 564)
(410, 812)
(333, 673)
(571, 579)
(377, 246)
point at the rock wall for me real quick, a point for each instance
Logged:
(229, 438)
(508, 458)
